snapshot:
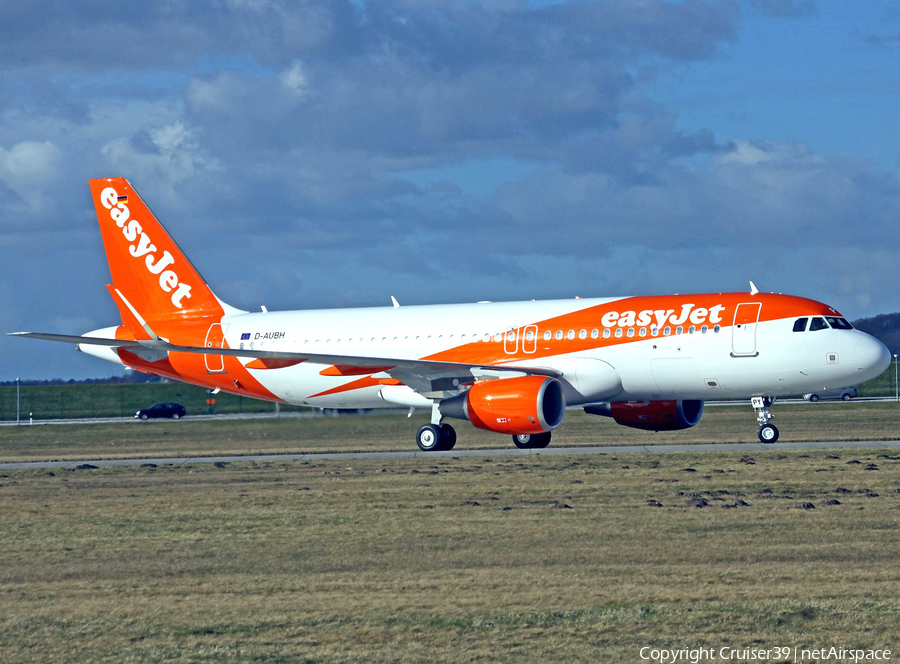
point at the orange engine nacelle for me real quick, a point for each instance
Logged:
(527, 404)
(651, 415)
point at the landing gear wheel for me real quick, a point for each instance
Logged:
(531, 441)
(448, 437)
(436, 438)
(522, 440)
(429, 438)
(768, 433)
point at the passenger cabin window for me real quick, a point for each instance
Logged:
(818, 323)
(800, 325)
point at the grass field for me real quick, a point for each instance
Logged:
(570, 558)
(457, 560)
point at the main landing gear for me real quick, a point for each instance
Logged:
(768, 433)
(436, 438)
(531, 441)
(442, 438)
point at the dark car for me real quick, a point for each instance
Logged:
(173, 410)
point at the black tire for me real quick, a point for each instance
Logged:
(531, 441)
(175, 416)
(845, 397)
(448, 437)
(813, 397)
(428, 438)
(143, 416)
(768, 433)
(522, 440)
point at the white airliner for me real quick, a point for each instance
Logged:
(512, 368)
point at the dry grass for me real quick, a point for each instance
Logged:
(457, 559)
(801, 422)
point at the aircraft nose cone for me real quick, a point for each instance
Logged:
(872, 358)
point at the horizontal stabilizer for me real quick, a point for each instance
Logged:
(75, 339)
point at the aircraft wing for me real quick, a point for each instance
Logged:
(420, 375)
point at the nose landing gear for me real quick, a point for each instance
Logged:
(768, 433)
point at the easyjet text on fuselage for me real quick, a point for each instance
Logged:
(690, 313)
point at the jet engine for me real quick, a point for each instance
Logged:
(651, 415)
(522, 405)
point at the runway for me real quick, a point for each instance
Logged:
(500, 452)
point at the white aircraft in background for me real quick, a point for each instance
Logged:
(512, 368)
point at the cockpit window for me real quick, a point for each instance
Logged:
(817, 324)
(800, 325)
(839, 323)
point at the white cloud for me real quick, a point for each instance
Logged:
(294, 80)
(29, 159)
(161, 156)
(751, 153)
(28, 168)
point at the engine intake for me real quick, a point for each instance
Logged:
(526, 404)
(651, 415)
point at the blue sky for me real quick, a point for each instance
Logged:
(332, 154)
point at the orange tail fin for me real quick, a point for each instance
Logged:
(147, 267)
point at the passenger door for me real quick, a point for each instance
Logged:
(743, 332)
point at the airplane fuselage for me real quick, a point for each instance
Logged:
(731, 345)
